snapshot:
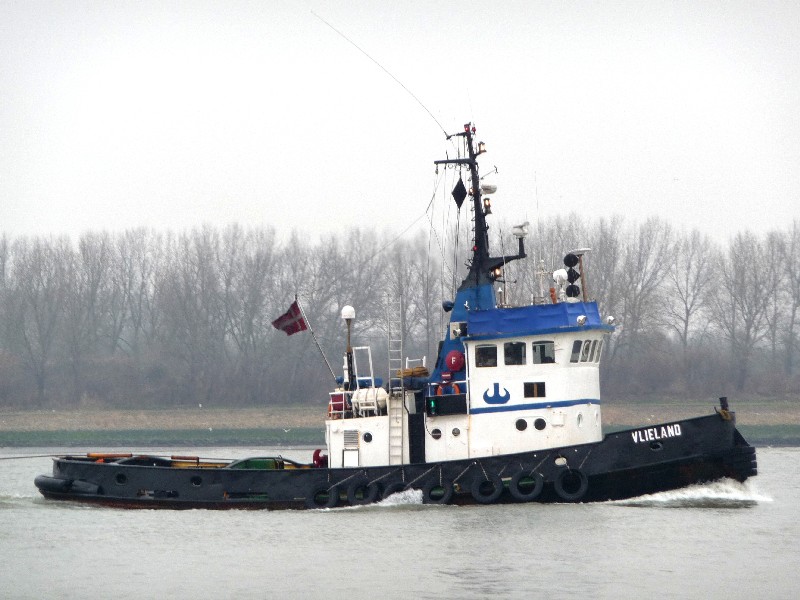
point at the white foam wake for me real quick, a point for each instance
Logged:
(725, 493)
(404, 498)
(399, 499)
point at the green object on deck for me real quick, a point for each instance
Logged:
(257, 463)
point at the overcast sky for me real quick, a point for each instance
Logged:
(174, 114)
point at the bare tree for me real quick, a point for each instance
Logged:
(740, 307)
(645, 263)
(141, 257)
(778, 299)
(790, 265)
(37, 301)
(691, 280)
(250, 303)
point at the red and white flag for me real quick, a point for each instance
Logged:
(291, 321)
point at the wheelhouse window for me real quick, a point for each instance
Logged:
(514, 353)
(534, 389)
(587, 345)
(486, 356)
(576, 351)
(599, 351)
(543, 353)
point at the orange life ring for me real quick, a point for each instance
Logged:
(440, 388)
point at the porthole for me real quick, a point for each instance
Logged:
(367, 437)
(522, 424)
(456, 432)
(656, 446)
(196, 481)
(436, 434)
(540, 424)
(121, 479)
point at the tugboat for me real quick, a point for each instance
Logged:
(510, 412)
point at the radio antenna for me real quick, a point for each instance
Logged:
(400, 83)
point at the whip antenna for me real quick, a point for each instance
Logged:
(400, 83)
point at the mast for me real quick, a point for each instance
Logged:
(483, 267)
(476, 291)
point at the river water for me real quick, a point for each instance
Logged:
(723, 540)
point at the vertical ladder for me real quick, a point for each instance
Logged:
(394, 407)
(394, 330)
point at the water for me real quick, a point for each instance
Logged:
(723, 540)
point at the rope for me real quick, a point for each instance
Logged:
(536, 467)
(28, 456)
(410, 93)
(460, 475)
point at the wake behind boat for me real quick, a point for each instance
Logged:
(510, 412)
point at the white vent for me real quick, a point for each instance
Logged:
(351, 439)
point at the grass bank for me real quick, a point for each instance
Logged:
(142, 438)
(763, 421)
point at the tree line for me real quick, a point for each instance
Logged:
(144, 318)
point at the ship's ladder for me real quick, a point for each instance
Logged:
(394, 407)
(394, 329)
(365, 378)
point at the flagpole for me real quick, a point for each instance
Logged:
(316, 341)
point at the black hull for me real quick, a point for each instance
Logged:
(623, 465)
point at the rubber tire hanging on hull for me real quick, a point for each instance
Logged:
(478, 485)
(332, 500)
(393, 488)
(429, 488)
(52, 484)
(369, 491)
(518, 492)
(568, 493)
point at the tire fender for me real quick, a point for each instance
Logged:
(480, 483)
(568, 477)
(331, 501)
(369, 491)
(430, 487)
(393, 488)
(526, 496)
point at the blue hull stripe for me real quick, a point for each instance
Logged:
(534, 406)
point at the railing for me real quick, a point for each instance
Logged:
(447, 388)
(362, 402)
(449, 398)
(340, 405)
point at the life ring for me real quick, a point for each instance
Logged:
(479, 488)
(393, 488)
(571, 485)
(361, 491)
(331, 497)
(431, 491)
(453, 386)
(319, 459)
(518, 486)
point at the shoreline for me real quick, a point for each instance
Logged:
(762, 422)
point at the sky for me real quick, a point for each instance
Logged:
(172, 115)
